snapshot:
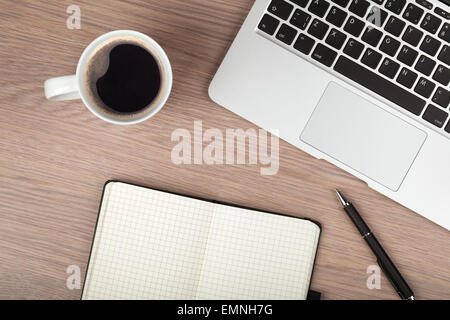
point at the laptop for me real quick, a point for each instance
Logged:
(361, 84)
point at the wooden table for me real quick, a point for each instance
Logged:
(56, 156)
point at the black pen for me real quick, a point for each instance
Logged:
(383, 260)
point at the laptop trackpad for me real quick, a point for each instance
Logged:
(363, 136)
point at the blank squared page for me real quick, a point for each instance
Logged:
(255, 255)
(148, 245)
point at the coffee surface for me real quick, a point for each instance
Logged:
(132, 80)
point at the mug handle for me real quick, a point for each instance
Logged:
(62, 88)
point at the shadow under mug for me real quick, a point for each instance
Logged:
(73, 86)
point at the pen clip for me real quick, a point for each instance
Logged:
(390, 280)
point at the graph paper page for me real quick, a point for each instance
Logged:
(252, 255)
(148, 245)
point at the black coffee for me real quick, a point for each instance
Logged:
(132, 81)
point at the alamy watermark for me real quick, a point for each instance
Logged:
(73, 281)
(374, 280)
(376, 17)
(221, 147)
(74, 19)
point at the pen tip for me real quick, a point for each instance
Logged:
(341, 198)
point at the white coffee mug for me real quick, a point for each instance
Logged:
(73, 87)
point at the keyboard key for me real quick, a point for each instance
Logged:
(372, 36)
(280, 8)
(376, 83)
(444, 55)
(407, 55)
(324, 55)
(442, 75)
(354, 26)
(425, 3)
(353, 48)
(444, 14)
(412, 36)
(395, 6)
(394, 26)
(389, 68)
(300, 19)
(336, 39)
(430, 45)
(268, 24)
(424, 87)
(442, 97)
(377, 16)
(447, 128)
(286, 34)
(336, 16)
(435, 116)
(389, 46)
(359, 7)
(413, 13)
(342, 3)
(301, 3)
(304, 44)
(318, 29)
(444, 34)
(407, 77)
(425, 65)
(371, 58)
(319, 7)
(378, 1)
(431, 23)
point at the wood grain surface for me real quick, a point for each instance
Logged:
(56, 156)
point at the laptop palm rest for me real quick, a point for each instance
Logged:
(363, 136)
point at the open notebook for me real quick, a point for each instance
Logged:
(151, 244)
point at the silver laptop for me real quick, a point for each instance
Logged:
(361, 84)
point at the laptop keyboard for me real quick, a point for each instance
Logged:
(397, 49)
